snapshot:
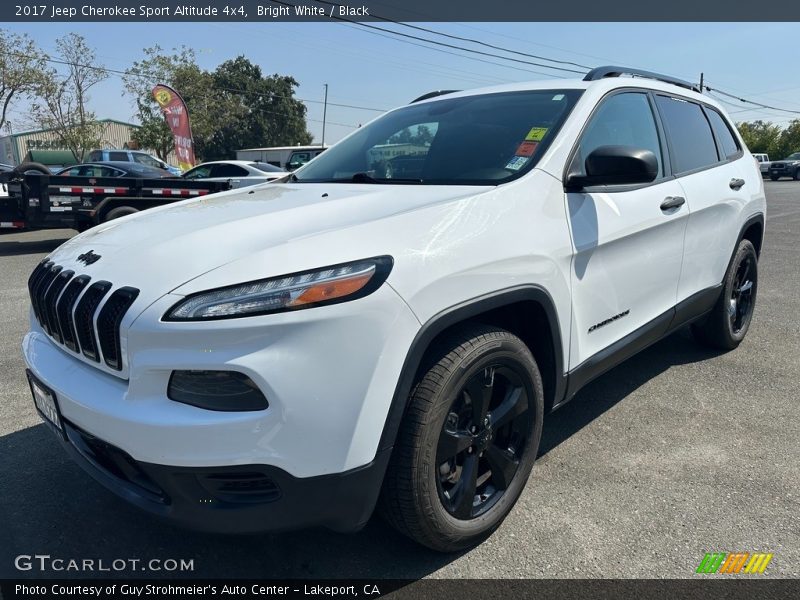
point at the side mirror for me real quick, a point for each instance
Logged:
(615, 165)
(293, 165)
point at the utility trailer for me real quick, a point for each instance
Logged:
(39, 201)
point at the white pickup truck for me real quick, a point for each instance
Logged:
(763, 163)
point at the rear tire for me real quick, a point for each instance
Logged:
(467, 442)
(120, 211)
(729, 320)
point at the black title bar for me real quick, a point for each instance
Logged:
(66, 11)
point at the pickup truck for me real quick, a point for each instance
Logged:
(763, 163)
(36, 200)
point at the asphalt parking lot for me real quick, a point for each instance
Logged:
(678, 452)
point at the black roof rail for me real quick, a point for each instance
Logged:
(603, 72)
(433, 95)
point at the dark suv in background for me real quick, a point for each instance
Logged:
(788, 167)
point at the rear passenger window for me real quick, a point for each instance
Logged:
(725, 138)
(622, 120)
(120, 156)
(693, 144)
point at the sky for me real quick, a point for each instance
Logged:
(751, 60)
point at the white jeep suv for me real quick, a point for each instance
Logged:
(390, 325)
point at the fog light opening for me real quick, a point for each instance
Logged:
(228, 391)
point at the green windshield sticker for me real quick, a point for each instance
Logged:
(536, 134)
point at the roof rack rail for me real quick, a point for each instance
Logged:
(433, 95)
(603, 72)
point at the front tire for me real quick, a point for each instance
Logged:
(120, 211)
(774, 177)
(729, 320)
(468, 441)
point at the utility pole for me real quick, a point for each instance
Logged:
(701, 83)
(324, 114)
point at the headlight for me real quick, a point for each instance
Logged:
(328, 285)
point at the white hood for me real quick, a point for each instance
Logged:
(157, 250)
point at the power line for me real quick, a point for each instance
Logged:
(153, 76)
(444, 44)
(745, 100)
(470, 40)
(488, 62)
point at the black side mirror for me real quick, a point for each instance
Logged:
(293, 165)
(615, 165)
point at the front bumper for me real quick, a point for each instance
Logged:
(311, 458)
(237, 499)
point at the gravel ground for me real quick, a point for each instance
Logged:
(677, 452)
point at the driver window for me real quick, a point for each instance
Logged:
(622, 120)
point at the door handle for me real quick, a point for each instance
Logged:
(736, 184)
(671, 202)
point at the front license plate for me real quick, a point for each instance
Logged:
(46, 403)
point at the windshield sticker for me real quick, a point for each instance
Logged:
(526, 148)
(536, 134)
(517, 162)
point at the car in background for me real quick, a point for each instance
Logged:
(114, 169)
(240, 173)
(788, 167)
(763, 163)
(133, 156)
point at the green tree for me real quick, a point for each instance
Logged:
(63, 98)
(790, 139)
(23, 69)
(255, 110)
(231, 108)
(158, 67)
(761, 137)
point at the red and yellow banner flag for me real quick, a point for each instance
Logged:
(174, 109)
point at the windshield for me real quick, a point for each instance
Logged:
(474, 140)
(265, 167)
(795, 156)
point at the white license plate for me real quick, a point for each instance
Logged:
(46, 403)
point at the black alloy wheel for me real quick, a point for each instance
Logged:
(484, 435)
(740, 307)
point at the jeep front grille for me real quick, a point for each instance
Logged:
(66, 306)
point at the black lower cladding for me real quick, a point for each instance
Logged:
(232, 499)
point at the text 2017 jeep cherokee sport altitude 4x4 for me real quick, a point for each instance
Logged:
(296, 354)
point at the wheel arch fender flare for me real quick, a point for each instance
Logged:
(755, 219)
(461, 313)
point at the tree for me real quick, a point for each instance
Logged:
(790, 139)
(231, 108)
(761, 137)
(157, 67)
(62, 103)
(22, 70)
